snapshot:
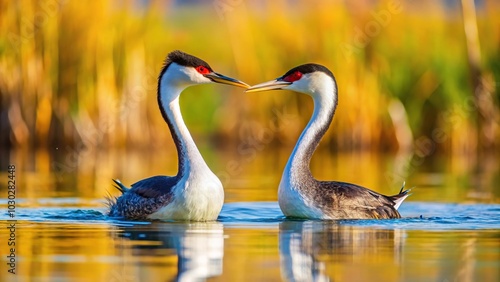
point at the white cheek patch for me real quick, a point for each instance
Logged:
(318, 85)
(177, 75)
(313, 83)
(195, 76)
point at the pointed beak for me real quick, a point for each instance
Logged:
(270, 85)
(219, 78)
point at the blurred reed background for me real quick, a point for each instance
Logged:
(78, 73)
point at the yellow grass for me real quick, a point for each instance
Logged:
(85, 73)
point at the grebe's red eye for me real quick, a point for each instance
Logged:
(202, 70)
(293, 77)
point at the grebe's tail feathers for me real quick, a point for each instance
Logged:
(399, 198)
(110, 200)
(120, 186)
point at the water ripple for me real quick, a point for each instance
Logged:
(416, 216)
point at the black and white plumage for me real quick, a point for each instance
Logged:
(195, 193)
(299, 194)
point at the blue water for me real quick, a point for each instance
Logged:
(415, 215)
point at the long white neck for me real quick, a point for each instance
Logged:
(325, 103)
(189, 156)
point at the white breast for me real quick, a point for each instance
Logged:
(196, 197)
(293, 203)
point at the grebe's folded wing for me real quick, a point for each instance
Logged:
(354, 201)
(155, 186)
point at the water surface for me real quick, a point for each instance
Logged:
(450, 230)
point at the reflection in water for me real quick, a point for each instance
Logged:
(76, 244)
(199, 247)
(302, 243)
(297, 258)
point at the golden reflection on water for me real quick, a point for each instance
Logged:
(188, 252)
(307, 248)
(262, 252)
(314, 251)
(290, 250)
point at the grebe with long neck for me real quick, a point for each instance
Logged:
(195, 193)
(300, 195)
